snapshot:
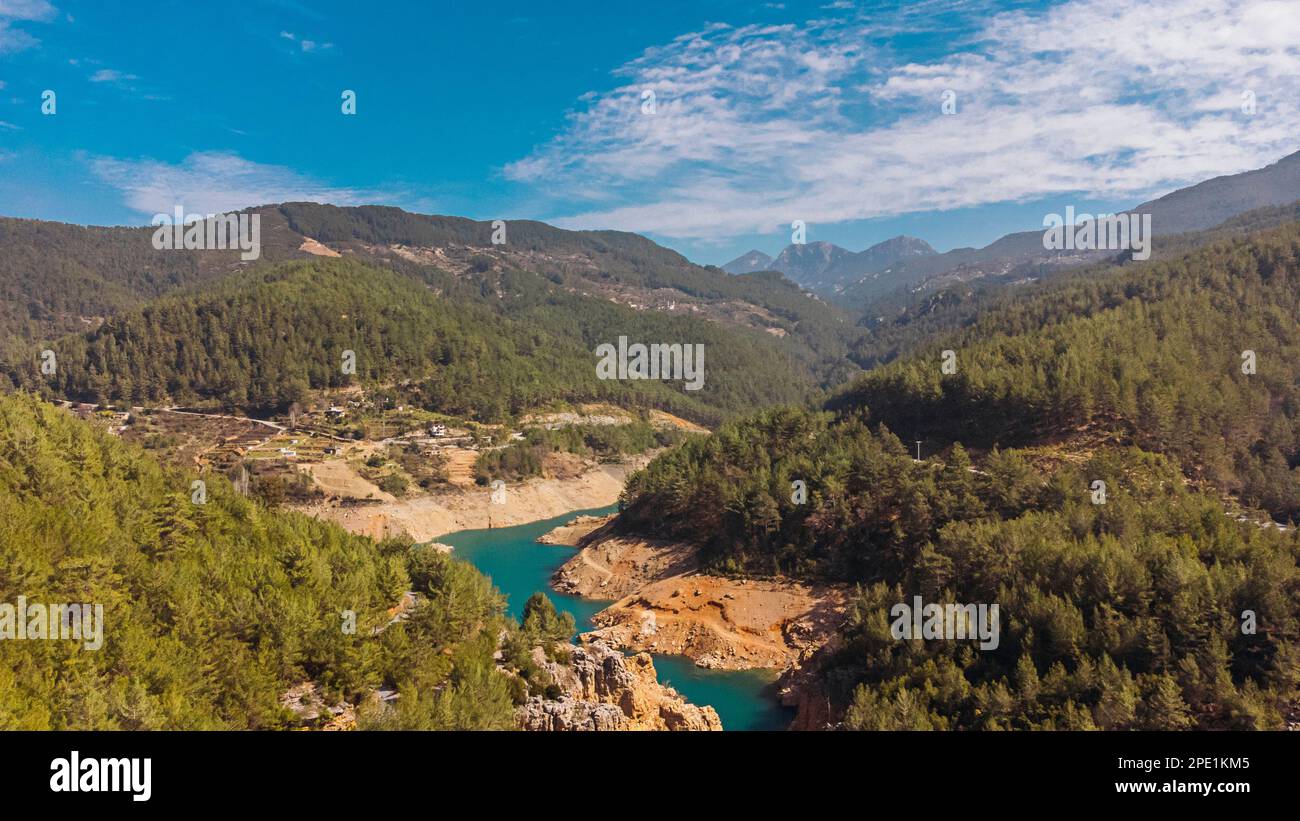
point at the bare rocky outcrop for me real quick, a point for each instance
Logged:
(605, 690)
(800, 687)
(611, 566)
(663, 603)
(311, 712)
(567, 714)
(724, 623)
(572, 532)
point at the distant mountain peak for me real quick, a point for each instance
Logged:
(826, 267)
(808, 249)
(1198, 207)
(748, 263)
(901, 246)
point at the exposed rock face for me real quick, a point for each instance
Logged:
(605, 690)
(801, 687)
(570, 533)
(724, 623)
(664, 604)
(610, 566)
(306, 702)
(567, 714)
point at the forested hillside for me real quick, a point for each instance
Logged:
(1126, 614)
(1123, 613)
(262, 339)
(1154, 351)
(545, 292)
(911, 317)
(619, 255)
(211, 611)
(569, 265)
(57, 279)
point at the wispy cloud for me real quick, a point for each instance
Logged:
(213, 182)
(21, 11)
(305, 44)
(825, 122)
(108, 75)
(26, 9)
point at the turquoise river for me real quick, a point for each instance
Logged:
(519, 566)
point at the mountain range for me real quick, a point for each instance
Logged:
(525, 314)
(856, 280)
(826, 268)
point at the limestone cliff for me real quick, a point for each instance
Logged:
(605, 690)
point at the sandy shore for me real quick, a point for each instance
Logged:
(571, 533)
(428, 517)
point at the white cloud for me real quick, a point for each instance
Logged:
(108, 75)
(26, 9)
(214, 182)
(21, 11)
(759, 125)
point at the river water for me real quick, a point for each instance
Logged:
(519, 567)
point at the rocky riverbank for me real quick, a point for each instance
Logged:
(664, 604)
(605, 690)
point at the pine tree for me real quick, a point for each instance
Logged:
(1164, 708)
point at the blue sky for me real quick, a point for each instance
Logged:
(764, 113)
